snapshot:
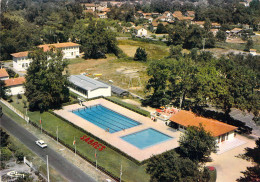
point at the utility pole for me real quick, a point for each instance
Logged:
(48, 175)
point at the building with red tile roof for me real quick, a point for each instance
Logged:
(15, 86)
(3, 74)
(21, 61)
(221, 131)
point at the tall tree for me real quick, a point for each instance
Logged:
(140, 54)
(3, 90)
(197, 144)
(46, 84)
(170, 167)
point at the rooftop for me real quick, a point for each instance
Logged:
(20, 54)
(86, 83)
(46, 47)
(14, 81)
(3, 73)
(188, 118)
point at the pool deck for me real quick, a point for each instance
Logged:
(114, 138)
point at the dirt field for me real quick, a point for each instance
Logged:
(124, 73)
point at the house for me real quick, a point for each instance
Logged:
(252, 51)
(215, 25)
(15, 86)
(3, 74)
(199, 23)
(21, 60)
(140, 32)
(89, 6)
(190, 13)
(214, 31)
(234, 32)
(221, 131)
(102, 15)
(154, 25)
(88, 87)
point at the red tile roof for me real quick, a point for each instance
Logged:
(46, 47)
(20, 54)
(187, 118)
(14, 81)
(3, 73)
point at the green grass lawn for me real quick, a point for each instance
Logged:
(108, 158)
(154, 51)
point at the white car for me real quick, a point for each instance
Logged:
(41, 143)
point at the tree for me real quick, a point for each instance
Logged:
(46, 85)
(4, 138)
(3, 90)
(221, 36)
(253, 155)
(249, 45)
(140, 54)
(176, 51)
(197, 144)
(1, 112)
(170, 167)
(161, 29)
(207, 25)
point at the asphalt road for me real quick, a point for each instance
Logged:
(65, 168)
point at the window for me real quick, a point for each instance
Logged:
(72, 53)
(23, 65)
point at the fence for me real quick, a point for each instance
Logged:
(30, 164)
(19, 113)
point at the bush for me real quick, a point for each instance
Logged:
(19, 96)
(6, 154)
(140, 54)
(19, 155)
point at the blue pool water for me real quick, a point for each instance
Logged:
(146, 138)
(106, 118)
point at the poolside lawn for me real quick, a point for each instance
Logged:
(108, 158)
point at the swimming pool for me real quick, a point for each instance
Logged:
(106, 118)
(146, 138)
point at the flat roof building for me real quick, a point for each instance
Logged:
(88, 87)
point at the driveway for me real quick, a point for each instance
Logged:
(229, 166)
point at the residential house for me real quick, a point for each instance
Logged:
(140, 32)
(88, 87)
(3, 74)
(234, 32)
(21, 60)
(215, 25)
(221, 131)
(199, 23)
(190, 14)
(89, 6)
(253, 52)
(102, 15)
(15, 86)
(214, 31)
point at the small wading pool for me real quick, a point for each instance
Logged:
(106, 118)
(146, 138)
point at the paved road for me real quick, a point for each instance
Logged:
(68, 170)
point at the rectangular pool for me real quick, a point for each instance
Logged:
(105, 118)
(146, 138)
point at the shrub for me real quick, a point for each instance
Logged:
(19, 96)
(6, 154)
(140, 54)
(19, 155)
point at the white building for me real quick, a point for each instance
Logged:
(88, 87)
(21, 61)
(3, 74)
(15, 86)
(140, 32)
(221, 131)
(253, 52)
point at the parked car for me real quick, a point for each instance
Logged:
(41, 143)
